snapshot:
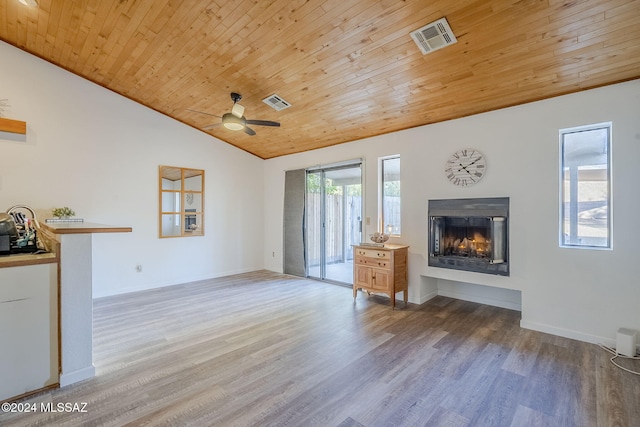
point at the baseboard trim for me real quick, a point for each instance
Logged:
(567, 333)
(77, 376)
(157, 285)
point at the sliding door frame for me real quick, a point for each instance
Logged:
(322, 170)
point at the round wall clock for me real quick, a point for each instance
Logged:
(465, 167)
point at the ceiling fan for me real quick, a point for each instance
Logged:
(235, 120)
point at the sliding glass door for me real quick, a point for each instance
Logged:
(333, 218)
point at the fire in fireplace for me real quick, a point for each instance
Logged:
(469, 234)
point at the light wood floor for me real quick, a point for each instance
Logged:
(263, 349)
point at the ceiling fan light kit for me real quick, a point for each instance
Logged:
(233, 122)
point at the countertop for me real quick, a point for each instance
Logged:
(83, 228)
(387, 246)
(20, 260)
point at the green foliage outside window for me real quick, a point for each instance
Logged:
(314, 185)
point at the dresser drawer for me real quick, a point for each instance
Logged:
(373, 253)
(372, 262)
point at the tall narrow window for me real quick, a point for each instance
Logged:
(585, 208)
(390, 197)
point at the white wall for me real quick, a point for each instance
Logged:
(582, 294)
(98, 153)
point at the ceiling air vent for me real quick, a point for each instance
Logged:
(434, 36)
(276, 102)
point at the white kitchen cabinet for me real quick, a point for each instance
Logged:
(29, 356)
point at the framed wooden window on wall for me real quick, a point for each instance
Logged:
(181, 202)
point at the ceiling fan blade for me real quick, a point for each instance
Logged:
(262, 123)
(202, 112)
(249, 131)
(215, 125)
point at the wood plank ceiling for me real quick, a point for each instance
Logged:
(348, 67)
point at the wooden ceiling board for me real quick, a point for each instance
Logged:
(348, 67)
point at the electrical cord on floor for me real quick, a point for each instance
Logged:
(616, 355)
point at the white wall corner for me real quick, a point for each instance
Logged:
(428, 289)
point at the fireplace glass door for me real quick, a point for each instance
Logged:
(470, 234)
(480, 238)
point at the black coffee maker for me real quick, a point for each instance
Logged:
(8, 233)
(18, 232)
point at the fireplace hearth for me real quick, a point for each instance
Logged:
(470, 234)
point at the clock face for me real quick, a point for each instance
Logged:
(465, 167)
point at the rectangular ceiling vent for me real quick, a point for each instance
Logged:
(276, 102)
(434, 36)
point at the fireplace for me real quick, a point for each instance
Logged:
(470, 234)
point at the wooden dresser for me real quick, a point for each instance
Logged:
(381, 269)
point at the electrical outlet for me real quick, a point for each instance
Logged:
(139, 268)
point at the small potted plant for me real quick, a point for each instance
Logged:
(63, 213)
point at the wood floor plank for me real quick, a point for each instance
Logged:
(500, 403)
(266, 349)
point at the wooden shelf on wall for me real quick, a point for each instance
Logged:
(13, 126)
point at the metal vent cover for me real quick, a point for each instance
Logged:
(434, 36)
(276, 102)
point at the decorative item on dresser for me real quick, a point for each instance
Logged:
(381, 269)
(378, 237)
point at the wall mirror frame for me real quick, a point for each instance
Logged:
(181, 202)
